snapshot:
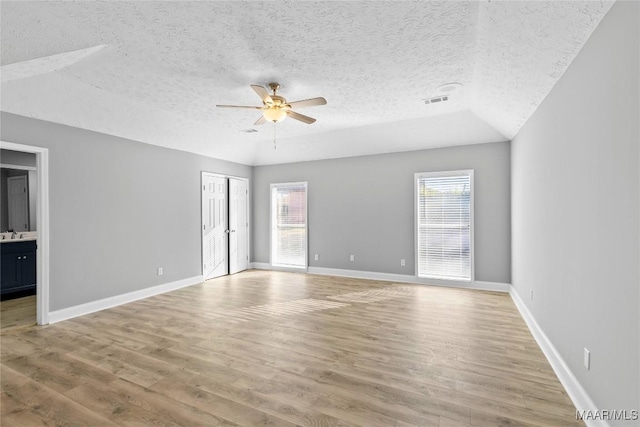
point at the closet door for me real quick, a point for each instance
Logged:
(238, 225)
(214, 226)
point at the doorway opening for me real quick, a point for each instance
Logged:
(24, 224)
(225, 224)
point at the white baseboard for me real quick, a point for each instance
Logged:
(492, 286)
(390, 277)
(574, 389)
(261, 265)
(267, 266)
(358, 274)
(102, 304)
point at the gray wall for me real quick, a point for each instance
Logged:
(10, 157)
(119, 209)
(364, 206)
(575, 212)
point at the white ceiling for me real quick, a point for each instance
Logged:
(153, 71)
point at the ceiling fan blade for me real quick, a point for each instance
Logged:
(308, 102)
(301, 117)
(239, 106)
(260, 121)
(262, 93)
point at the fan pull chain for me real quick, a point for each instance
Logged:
(274, 135)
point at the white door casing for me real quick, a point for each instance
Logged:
(42, 219)
(18, 203)
(214, 226)
(238, 225)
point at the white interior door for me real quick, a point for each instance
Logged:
(214, 226)
(238, 225)
(18, 203)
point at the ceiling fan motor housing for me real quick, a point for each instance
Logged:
(274, 87)
(279, 101)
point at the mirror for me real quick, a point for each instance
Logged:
(17, 191)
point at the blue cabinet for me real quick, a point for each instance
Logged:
(18, 266)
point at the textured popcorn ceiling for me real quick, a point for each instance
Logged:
(153, 71)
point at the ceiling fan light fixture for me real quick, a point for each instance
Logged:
(274, 114)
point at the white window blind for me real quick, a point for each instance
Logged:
(289, 225)
(444, 225)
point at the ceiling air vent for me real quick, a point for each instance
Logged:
(436, 99)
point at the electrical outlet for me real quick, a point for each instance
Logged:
(160, 271)
(531, 294)
(352, 258)
(587, 359)
(316, 257)
(402, 263)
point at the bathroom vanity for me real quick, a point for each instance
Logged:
(18, 268)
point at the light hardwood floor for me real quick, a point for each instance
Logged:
(272, 348)
(18, 313)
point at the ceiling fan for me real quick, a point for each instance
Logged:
(275, 108)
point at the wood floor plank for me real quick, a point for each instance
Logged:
(12, 407)
(297, 414)
(349, 410)
(13, 344)
(126, 364)
(212, 402)
(274, 348)
(18, 313)
(45, 403)
(43, 370)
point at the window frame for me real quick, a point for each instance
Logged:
(306, 225)
(416, 201)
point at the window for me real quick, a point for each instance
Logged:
(444, 225)
(289, 225)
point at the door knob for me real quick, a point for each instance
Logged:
(226, 231)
